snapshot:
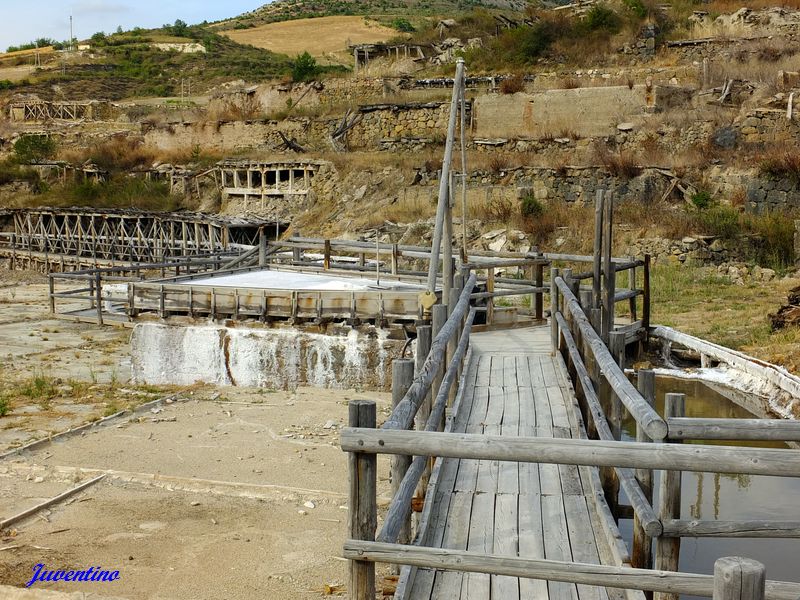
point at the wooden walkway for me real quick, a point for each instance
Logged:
(514, 387)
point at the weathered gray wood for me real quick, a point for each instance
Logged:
(424, 338)
(641, 411)
(477, 586)
(556, 544)
(782, 430)
(582, 542)
(439, 317)
(363, 502)
(641, 503)
(403, 415)
(456, 537)
(731, 529)
(402, 376)
(737, 578)
(753, 461)
(602, 575)
(4, 523)
(531, 541)
(598, 245)
(642, 549)
(609, 273)
(669, 500)
(506, 543)
(554, 309)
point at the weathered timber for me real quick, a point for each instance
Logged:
(642, 550)
(639, 501)
(401, 502)
(424, 337)
(731, 529)
(686, 428)
(669, 500)
(402, 376)
(403, 415)
(362, 502)
(721, 459)
(5, 523)
(737, 578)
(598, 245)
(552, 570)
(642, 412)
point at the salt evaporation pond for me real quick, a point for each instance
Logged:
(712, 496)
(285, 280)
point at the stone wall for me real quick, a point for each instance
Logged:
(768, 126)
(765, 194)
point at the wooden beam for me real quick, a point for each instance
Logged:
(685, 428)
(731, 529)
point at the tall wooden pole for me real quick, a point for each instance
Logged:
(402, 376)
(363, 502)
(598, 245)
(642, 551)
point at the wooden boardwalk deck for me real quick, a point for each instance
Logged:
(514, 387)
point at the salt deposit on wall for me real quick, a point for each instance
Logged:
(272, 358)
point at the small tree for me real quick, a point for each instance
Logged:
(304, 68)
(34, 148)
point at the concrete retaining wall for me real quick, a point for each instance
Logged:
(261, 357)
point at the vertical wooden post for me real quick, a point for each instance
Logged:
(98, 298)
(452, 345)
(326, 260)
(438, 319)
(598, 245)
(646, 294)
(51, 282)
(737, 578)
(538, 297)
(363, 502)
(586, 300)
(632, 287)
(262, 247)
(566, 275)
(395, 258)
(402, 376)
(609, 269)
(669, 501)
(642, 551)
(424, 338)
(490, 301)
(553, 311)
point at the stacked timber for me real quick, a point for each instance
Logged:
(789, 314)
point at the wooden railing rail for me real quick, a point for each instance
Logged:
(402, 416)
(733, 579)
(582, 452)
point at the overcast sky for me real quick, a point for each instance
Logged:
(24, 21)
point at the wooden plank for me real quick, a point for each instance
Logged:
(509, 371)
(484, 370)
(558, 406)
(523, 372)
(424, 578)
(570, 477)
(508, 474)
(477, 586)
(456, 536)
(506, 543)
(582, 542)
(531, 542)
(556, 544)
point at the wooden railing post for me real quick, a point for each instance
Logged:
(642, 551)
(598, 247)
(490, 300)
(737, 578)
(363, 502)
(669, 501)
(553, 310)
(609, 270)
(326, 260)
(98, 298)
(262, 247)
(402, 376)
(51, 282)
(632, 287)
(538, 297)
(438, 319)
(646, 293)
(424, 338)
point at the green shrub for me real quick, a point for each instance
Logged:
(774, 243)
(781, 165)
(304, 68)
(601, 18)
(531, 207)
(637, 7)
(702, 200)
(5, 406)
(34, 148)
(403, 25)
(719, 221)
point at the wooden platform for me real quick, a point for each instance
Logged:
(514, 387)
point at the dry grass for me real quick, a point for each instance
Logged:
(757, 62)
(318, 36)
(512, 85)
(620, 164)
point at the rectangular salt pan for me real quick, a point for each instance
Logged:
(282, 280)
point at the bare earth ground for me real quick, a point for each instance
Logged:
(317, 36)
(234, 493)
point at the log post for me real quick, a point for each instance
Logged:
(598, 245)
(98, 298)
(737, 578)
(646, 294)
(424, 338)
(553, 310)
(438, 319)
(642, 551)
(262, 247)
(363, 502)
(490, 300)
(538, 297)
(609, 272)
(326, 260)
(52, 284)
(402, 376)
(669, 501)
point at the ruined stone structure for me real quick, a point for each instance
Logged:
(36, 110)
(258, 180)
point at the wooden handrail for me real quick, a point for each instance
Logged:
(552, 570)
(400, 507)
(403, 415)
(642, 412)
(592, 453)
(689, 428)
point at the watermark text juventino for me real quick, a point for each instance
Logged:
(96, 574)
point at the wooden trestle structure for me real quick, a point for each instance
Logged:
(69, 238)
